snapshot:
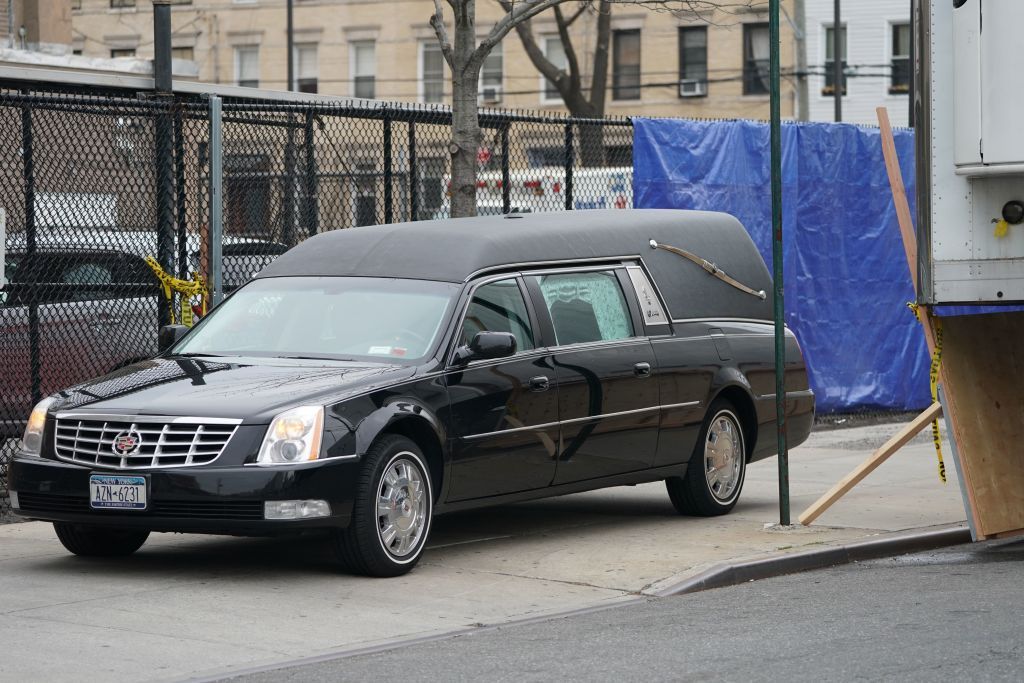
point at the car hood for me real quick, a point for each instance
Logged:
(253, 389)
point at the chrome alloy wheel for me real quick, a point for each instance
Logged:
(723, 456)
(402, 506)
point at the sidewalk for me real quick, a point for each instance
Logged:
(187, 606)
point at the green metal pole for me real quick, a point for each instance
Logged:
(777, 300)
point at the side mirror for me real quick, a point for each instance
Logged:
(169, 335)
(486, 346)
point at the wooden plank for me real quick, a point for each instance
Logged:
(903, 217)
(899, 192)
(899, 440)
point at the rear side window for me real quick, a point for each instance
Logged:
(499, 307)
(585, 307)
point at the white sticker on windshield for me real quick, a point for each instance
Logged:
(379, 351)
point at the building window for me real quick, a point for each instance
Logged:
(363, 56)
(117, 53)
(187, 53)
(555, 53)
(492, 76)
(365, 198)
(693, 61)
(545, 156)
(431, 72)
(248, 191)
(900, 82)
(626, 65)
(830, 47)
(306, 71)
(117, 4)
(619, 155)
(76, 4)
(756, 44)
(247, 66)
(181, 2)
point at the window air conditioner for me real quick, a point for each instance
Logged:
(490, 94)
(692, 87)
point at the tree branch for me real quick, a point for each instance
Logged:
(544, 65)
(437, 22)
(583, 8)
(570, 51)
(516, 13)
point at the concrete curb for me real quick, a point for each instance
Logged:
(742, 572)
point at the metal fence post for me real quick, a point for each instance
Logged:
(164, 148)
(414, 176)
(569, 163)
(216, 282)
(288, 187)
(388, 170)
(312, 207)
(28, 169)
(506, 179)
(179, 183)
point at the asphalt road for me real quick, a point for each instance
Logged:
(953, 614)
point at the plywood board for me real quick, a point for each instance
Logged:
(983, 376)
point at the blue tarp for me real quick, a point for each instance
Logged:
(847, 282)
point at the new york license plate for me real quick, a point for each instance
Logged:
(117, 492)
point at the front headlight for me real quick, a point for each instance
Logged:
(293, 436)
(32, 441)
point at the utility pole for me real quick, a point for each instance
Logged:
(912, 68)
(778, 307)
(291, 49)
(164, 148)
(803, 102)
(837, 61)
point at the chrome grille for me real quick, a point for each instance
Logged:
(159, 441)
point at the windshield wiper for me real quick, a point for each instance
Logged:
(309, 358)
(198, 355)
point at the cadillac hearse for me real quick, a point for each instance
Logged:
(370, 379)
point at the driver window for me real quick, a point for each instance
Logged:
(499, 307)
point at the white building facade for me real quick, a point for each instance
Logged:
(877, 54)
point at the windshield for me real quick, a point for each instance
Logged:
(325, 317)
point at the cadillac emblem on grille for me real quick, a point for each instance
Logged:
(126, 443)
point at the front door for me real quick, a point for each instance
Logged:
(504, 412)
(607, 389)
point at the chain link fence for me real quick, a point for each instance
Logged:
(93, 181)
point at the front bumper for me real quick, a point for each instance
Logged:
(217, 500)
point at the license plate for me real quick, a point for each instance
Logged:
(117, 492)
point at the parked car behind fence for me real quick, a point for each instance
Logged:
(84, 302)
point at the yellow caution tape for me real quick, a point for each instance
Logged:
(933, 381)
(185, 288)
(1002, 227)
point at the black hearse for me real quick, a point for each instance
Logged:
(371, 378)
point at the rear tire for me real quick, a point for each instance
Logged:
(715, 474)
(97, 541)
(392, 511)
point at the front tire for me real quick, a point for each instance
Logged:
(392, 511)
(715, 474)
(95, 541)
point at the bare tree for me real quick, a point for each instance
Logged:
(465, 56)
(581, 101)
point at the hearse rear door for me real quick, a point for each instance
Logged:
(608, 399)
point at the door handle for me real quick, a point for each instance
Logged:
(539, 383)
(642, 369)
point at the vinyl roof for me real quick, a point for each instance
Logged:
(455, 250)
